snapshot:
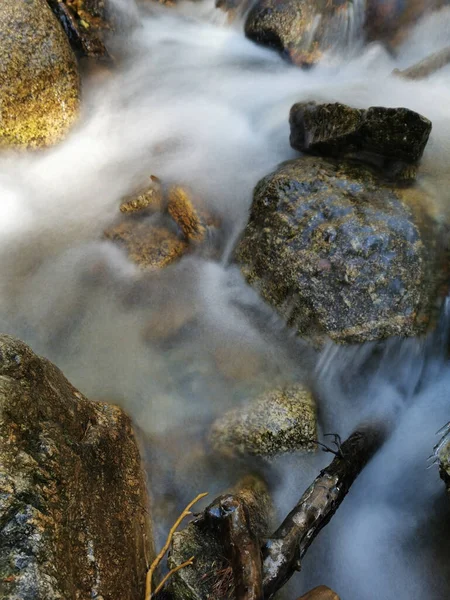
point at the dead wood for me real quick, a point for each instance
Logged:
(427, 66)
(283, 552)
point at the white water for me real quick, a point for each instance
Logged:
(196, 103)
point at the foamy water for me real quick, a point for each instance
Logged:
(194, 102)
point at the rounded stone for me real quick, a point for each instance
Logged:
(40, 86)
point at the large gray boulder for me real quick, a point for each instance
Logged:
(340, 252)
(73, 505)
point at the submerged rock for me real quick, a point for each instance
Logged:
(210, 576)
(388, 137)
(279, 421)
(320, 593)
(73, 506)
(300, 29)
(39, 81)
(148, 197)
(341, 253)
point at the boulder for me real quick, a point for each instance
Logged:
(340, 252)
(392, 138)
(282, 420)
(39, 81)
(74, 519)
(299, 29)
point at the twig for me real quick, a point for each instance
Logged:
(171, 572)
(186, 512)
(282, 554)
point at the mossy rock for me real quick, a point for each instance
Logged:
(39, 80)
(339, 252)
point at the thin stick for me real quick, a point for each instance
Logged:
(186, 512)
(171, 572)
(427, 66)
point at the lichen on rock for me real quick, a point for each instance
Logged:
(39, 80)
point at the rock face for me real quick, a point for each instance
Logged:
(389, 137)
(283, 420)
(442, 453)
(339, 252)
(300, 29)
(73, 505)
(39, 82)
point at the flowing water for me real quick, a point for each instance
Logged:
(194, 102)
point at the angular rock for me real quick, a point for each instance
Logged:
(39, 81)
(341, 253)
(282, 420)
(320, 593)
(211, 576)
(300, 29)
(149, 197)
(74, 518)
(389, 137)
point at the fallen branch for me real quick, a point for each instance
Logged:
(228, 515)
(149, 578)
(282, 554)
(427, 66)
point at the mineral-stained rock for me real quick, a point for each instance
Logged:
(73, 506)
(300, 29)
(210, 576)
(388, 137)
(39, 81)
(148, 245)
(149, 197)
(279, 421)
(341, 253)
(320, 593)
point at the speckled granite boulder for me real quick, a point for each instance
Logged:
(282, 420)
(390, 138)
(73, 506)
(341, 253)
(39, 82)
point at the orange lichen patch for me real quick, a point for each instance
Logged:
(185, 214)
(148, 245)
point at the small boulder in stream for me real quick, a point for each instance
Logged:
(282, 420)
(322, 592)
(340, 252)
(392, 138)
(74, 519)
(39, 80)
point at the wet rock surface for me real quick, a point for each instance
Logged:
(388, 137)
(74, 519)
(300, 30)
(39, 82)
(282, 420)
(211, 575)
(341, 253)
(442, 453)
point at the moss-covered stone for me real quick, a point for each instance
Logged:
(39, 81)
(390, 138)
(282, 420)
(73, 505)
(341, 253)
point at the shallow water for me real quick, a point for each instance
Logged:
(196, 103)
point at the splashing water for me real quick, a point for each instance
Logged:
(196, 103)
